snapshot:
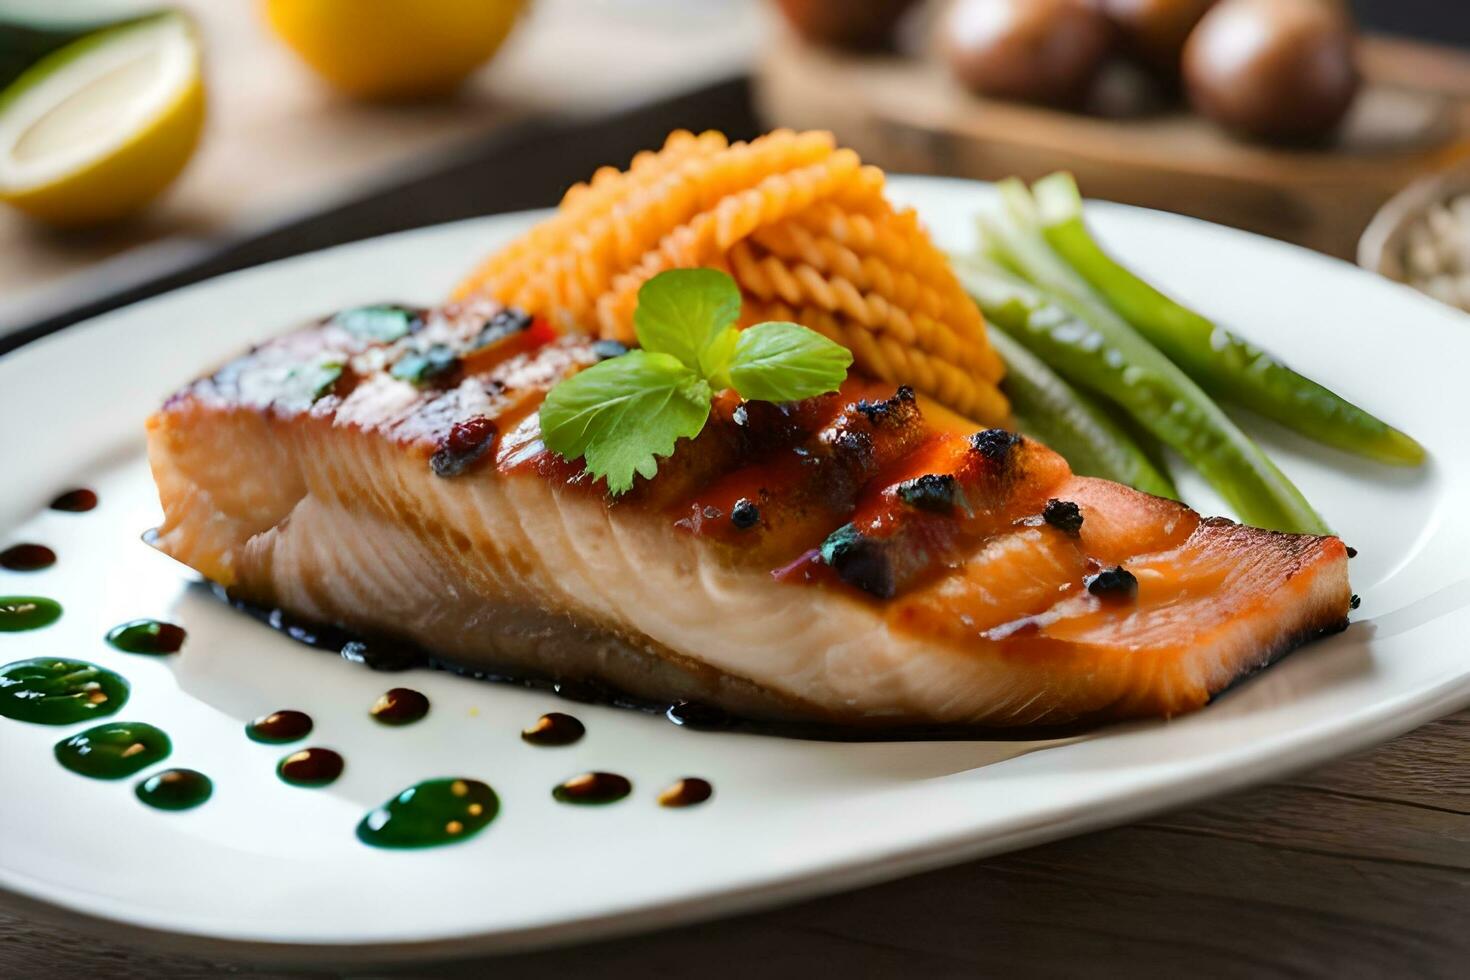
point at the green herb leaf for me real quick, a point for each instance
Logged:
(622, 414)
(690, 314)
(382, 323)
(309, 383)
(782, 362)
(625, 412)
(421, 367)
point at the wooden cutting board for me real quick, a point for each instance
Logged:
(906, 114)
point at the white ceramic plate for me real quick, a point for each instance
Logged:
(277, 871)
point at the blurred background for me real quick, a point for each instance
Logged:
(143, 146)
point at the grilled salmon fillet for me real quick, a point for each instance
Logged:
(856, 558)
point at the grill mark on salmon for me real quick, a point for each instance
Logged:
(889, 567)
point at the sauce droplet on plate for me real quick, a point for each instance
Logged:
(689, 791)
(76, 501)
(149, 636)
(554, 728)
(430, 813)
(175, 789)
(27, 612)
(400, 706)
(279, 727)
(696, 714)
(593, 788)
(311, 767)
(53, 691)
(26, 557)
(113, 749)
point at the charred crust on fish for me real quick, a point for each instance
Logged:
(860, 561)
(1064, 515)
(995, 445)
(898, 409)
(937, 493)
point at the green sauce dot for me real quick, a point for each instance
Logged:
(427, 814)
(147, 636)
(113, 749)
(52, 691)
(175, 789)
(27, 612)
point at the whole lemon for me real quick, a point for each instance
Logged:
(393, 49)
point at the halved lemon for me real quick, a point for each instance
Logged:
(96, 129)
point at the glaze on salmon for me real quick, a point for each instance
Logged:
(860, 558)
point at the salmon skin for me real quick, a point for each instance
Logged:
(855, 559)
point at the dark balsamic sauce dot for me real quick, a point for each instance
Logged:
(593, 788)
(1063, 515)
(384, 655)
(607, 349)
(279, 727)
(27, 557)
(697, 715)
(311, 767)
(466, 443)
(554, 729)
(1355, 601)
(76, 501)
(994, 444)
(745, 514)
(689, 791)
(400, 706)
(1113, 583)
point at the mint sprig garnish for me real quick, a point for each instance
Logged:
(622, 414)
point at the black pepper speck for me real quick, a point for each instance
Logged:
(1113, 583)
(1063, 515)
(994, 444)
(745, 514)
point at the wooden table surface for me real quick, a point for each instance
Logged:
(1358, 869)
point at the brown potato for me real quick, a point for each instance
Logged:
(1154, 31)
(856, 24)
(1045, 51)
(1280, 70)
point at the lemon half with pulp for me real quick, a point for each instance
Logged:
(98, 128)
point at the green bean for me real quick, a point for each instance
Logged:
(1224, 365)
(1069, 328)
(1070, 422)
